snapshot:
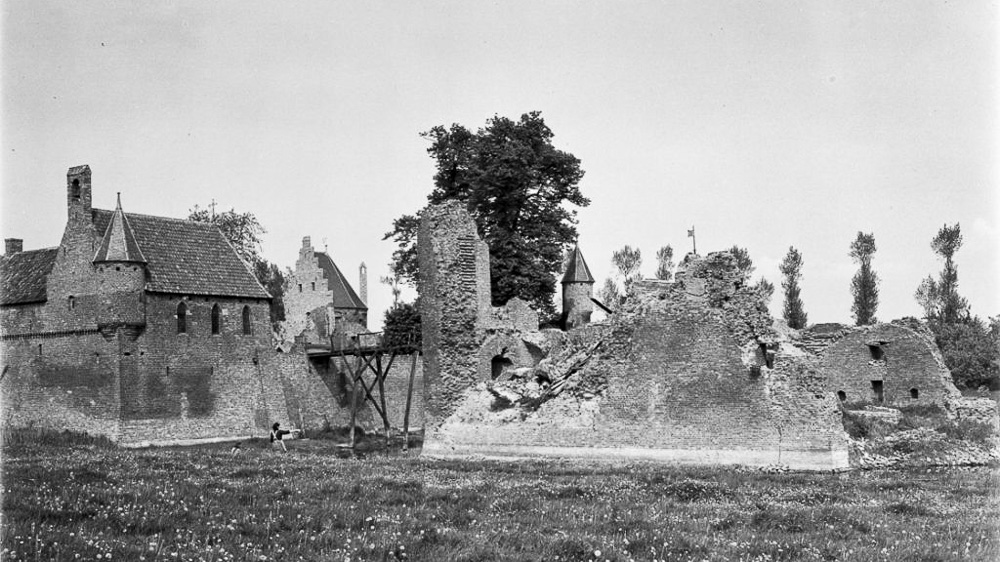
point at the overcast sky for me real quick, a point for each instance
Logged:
(766, 125)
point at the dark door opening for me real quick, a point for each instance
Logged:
(877, 389)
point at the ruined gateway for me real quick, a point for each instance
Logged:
(684, 372)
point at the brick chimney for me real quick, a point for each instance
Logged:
(12, 246)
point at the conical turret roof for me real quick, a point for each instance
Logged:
(576, 269)
(119, 244)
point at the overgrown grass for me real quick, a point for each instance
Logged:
(77, 501)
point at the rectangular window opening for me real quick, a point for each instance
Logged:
(877, 389)
(876, 352)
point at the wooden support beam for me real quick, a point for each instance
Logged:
(409, 398)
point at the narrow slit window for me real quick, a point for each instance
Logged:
(314, 285)
(216, 319)
(247, 326)
(72, 302)
(182, 318)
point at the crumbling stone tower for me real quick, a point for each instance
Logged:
(454, 284)
(578, 288)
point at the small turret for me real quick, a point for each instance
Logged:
(78, 195)
(121, 274)
(578, 289)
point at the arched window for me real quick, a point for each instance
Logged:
(72, 302)
(246, 321)
(842, 395)
(182, 311)
(216, 319)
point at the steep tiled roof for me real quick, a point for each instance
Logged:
(577, 270)
(23, 276)
(343, 295)
(187, 257)
(119, 244)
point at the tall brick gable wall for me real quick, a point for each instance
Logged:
(903, 359)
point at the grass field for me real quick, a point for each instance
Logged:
(91, 501)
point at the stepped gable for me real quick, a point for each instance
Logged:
(23, 276)
(343, 295)
(187, 257)
(577, 270)
(119, 244)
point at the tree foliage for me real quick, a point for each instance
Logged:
(744, 264)
(519, 189)
(665, 263)
(244, 232)
(864, 284)
(627, 261)
(402, 326)
(971, 352)
(609, 294)
(951, 307)
(791, 269)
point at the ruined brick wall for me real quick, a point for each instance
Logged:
(454, 290)
(680, 376)
(905, 361)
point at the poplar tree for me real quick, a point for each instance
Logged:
(864, 285)
(791, 268)
(665, 263)
(951, 307)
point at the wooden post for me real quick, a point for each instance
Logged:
(380, 376)
(354, 394)
(409, 398)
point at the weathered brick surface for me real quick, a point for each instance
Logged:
(902, 358)
(454, 304)
(104, 355)
(673, 379)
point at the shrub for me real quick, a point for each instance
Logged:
(34, 437)
(967, 430)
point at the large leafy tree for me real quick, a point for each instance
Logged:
(864, 285)
(791, 269)
(519, 189)
(244, 232)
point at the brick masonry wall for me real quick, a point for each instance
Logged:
(577, 306)
(677, 384)
(910, 360)
(147, 383)
(454, 305)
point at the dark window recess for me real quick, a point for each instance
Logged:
(877, 389)
(39, 349)
(499, 365)
(182, 318)
(876, 351)
(300, 287)
(76, 189)
(914, 393)
(842, 395)
(247, 327)
(314, 285)
(754, 371)
(216, 319)
(72, 303)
